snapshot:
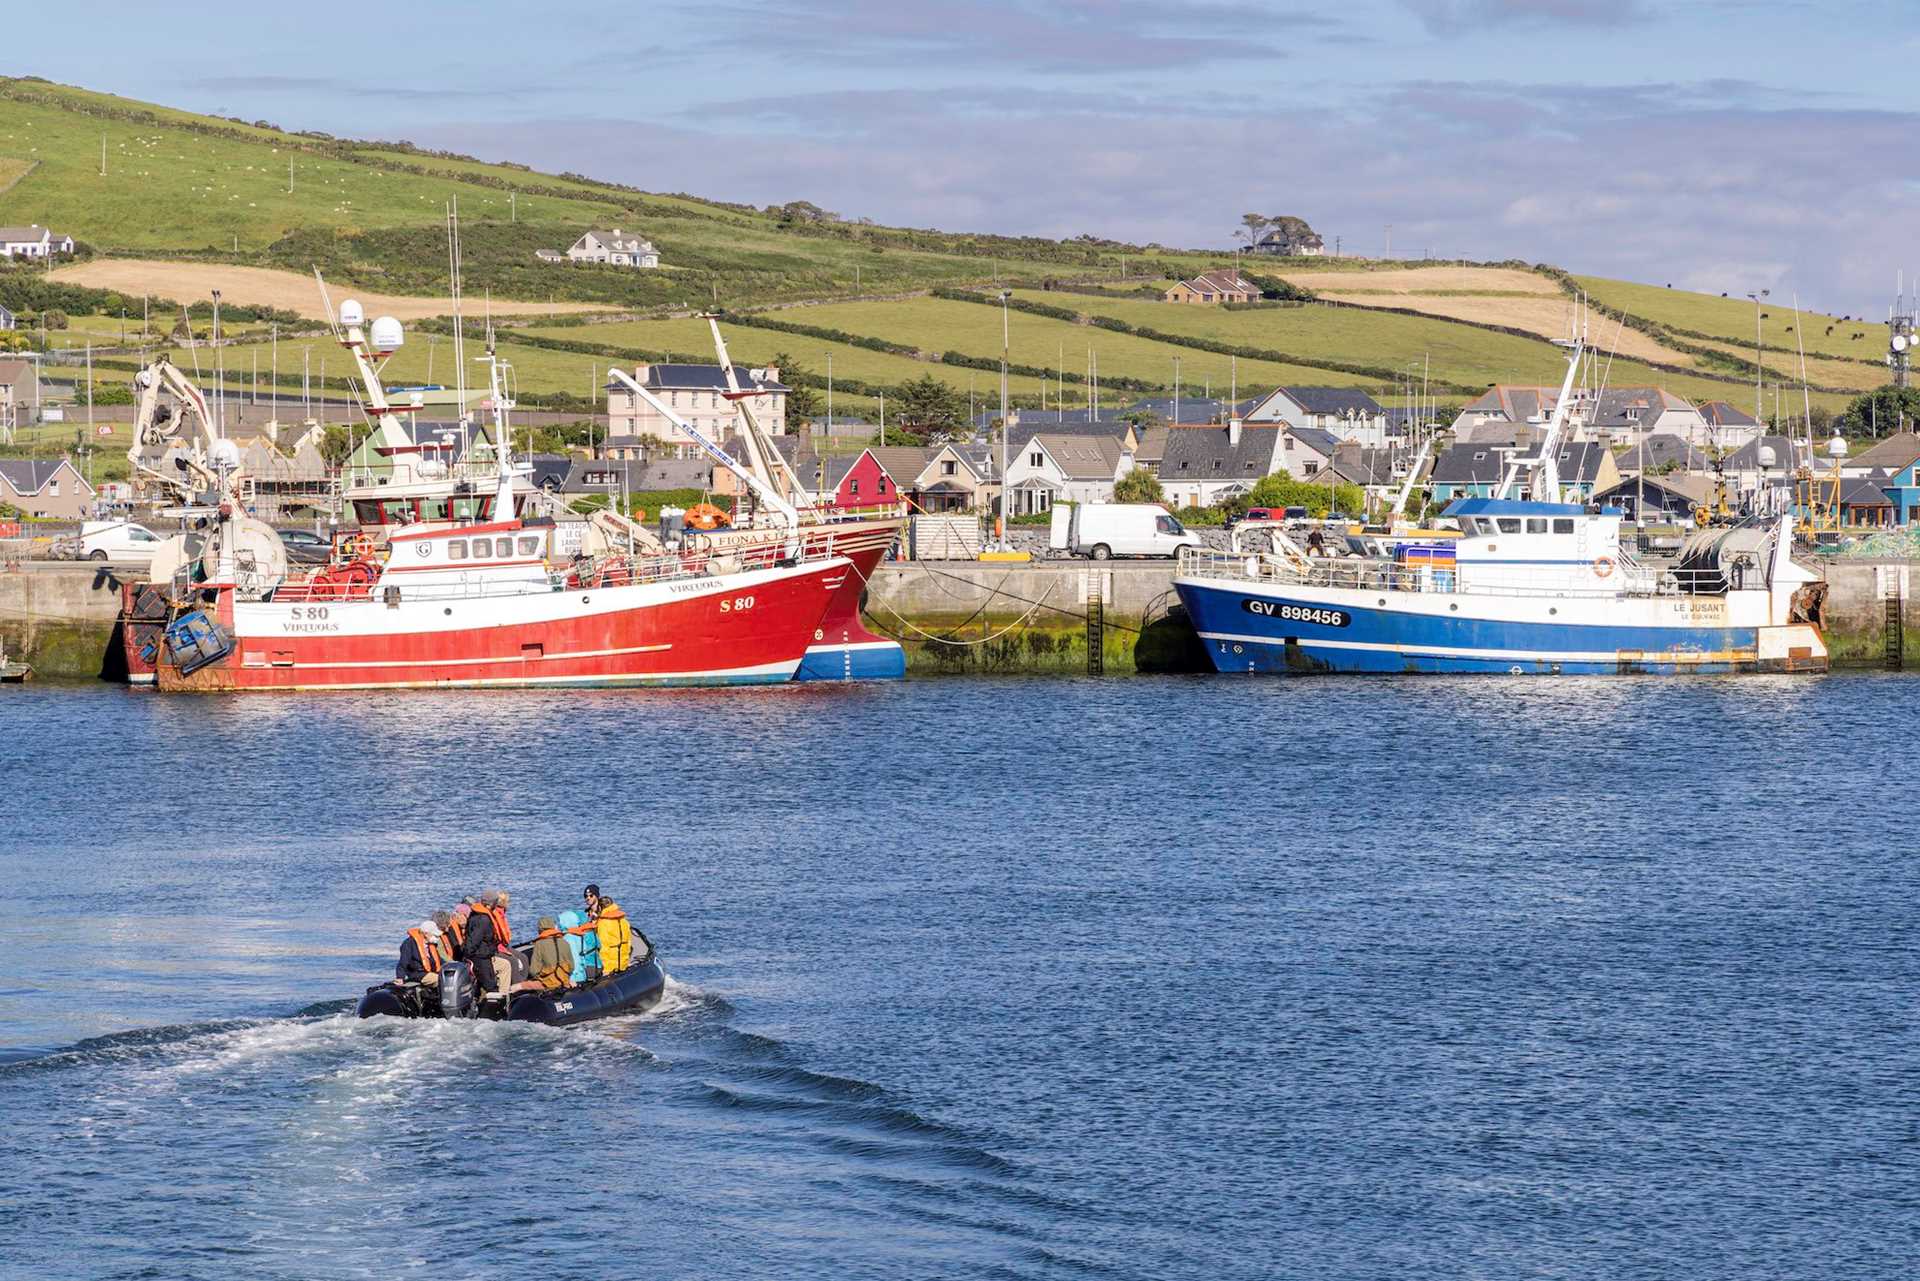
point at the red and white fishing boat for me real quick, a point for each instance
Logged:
(473, 602)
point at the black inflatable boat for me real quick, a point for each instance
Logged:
(636, 988)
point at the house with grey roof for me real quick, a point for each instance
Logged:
(1055, 467)
(1304, 451)
(1623, 415)
(616, 248)
(33, 241)
(1347, 412)
(1203, 465)
(698, 393)
(1475, 471)
(45, 487)
(1728, 426)
(1668, 498)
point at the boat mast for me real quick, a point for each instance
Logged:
(1545, 465)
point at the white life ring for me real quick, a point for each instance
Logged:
(1603, 568)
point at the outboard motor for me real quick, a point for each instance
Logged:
(456, 990)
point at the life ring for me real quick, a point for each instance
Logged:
(1603, 568)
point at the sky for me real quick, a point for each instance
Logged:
(1706, 144)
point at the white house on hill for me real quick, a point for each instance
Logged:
(616, 247)
(33, 241)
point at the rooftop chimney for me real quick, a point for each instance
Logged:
(1233, 432)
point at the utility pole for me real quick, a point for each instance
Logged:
(1176, 391)
(220, 366)
(273, 391)
(289, 177)
(1389, 240)
(1757, 349)
(103, 155)
(829, 397)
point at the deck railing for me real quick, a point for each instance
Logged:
(1357, 574)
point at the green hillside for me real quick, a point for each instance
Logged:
(201, 190)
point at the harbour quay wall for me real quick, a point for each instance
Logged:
(951, 616)
(59, 617)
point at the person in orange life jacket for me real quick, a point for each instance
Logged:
(443, 921)
(481, 950)
(456, 930)
(420, 957)
(551, 962)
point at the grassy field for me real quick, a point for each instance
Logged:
(1732, 319)
(689, 340)
(937, 325)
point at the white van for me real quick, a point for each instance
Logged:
(119, 540)
(1103, 530)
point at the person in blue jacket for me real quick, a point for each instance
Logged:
(583, 941)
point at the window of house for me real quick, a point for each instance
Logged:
(1479, 455)
(1536, 524)
(1033, 459)
(853, 485)
(947, 468)
(457, 549)
(1563, 525)
(1312, 468)
(883, 484)
(53, 488)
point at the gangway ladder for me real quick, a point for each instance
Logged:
(1094, 588)
(1891, 580)
(1895, 647)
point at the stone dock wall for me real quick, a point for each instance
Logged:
(952, 616)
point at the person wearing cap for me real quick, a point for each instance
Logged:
(551, 963)
(420, 955)
(443, 921)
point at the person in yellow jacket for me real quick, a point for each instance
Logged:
(615, 932)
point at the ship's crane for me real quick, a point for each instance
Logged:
(761, 490)
(176, 443)
(178, 446)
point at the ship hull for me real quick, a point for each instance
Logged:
(843, 648)
(742, 629)
(1299, 629)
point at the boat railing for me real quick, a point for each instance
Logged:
(614, 569)
(1360, 574)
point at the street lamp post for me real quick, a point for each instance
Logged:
(1005, 345)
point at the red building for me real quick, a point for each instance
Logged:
(886, 475)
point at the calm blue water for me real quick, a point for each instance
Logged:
(1136, 978)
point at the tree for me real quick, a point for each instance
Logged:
(336, 445)
(801, 211)
(1880, 412)
(1138, 486)
(1142, 418)
(1282, 490)
(927, 406)
(803, 402)
(1255, 224)
(53, 318)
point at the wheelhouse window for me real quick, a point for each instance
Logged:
(483, 548)
(457, 549)
(1509, 524)
(1536, 524)
(1563, 524)
(530, 545)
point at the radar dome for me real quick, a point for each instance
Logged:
(386, 334)
(1899, 342)
(351, 313)
(1836, 447)
(1767, 456)
(225, 454)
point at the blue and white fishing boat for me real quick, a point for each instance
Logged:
(1532, 584)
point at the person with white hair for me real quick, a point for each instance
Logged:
(420, 955)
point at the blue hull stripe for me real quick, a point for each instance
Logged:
(1385, 640)
(864, 661)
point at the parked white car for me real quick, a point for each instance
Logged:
(1105, 530)
(116, 540)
